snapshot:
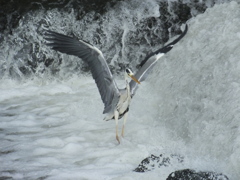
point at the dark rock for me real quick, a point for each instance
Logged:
(152, 162)
(12, 11)
(188, 174)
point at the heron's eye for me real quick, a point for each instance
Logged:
(128, 71)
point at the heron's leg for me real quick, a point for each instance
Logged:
(124, 122)
(116, 114)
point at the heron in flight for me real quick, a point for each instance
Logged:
(116, 101)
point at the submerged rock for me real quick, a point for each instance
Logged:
(188, 174)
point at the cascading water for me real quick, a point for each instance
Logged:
(51, 112)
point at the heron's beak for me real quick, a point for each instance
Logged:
(135, 79)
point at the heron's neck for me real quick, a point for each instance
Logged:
(126, 78)
(127, 83)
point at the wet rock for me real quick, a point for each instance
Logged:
(152, 162)
(12, 11)
(188, 174)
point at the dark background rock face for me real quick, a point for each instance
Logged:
(11, 11)
(150, 33)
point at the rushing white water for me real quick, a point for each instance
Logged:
(189, 105)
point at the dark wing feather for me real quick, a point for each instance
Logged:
(166, 48)
(94, 58)
(149, 62)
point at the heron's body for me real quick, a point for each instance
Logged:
(116, 101)
(124, 101)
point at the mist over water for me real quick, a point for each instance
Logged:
(51, 112)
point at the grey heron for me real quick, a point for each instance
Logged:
(116, 101)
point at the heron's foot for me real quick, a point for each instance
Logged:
(117, 138)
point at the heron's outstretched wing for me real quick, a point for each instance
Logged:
(166, 48)
(148, 63)
(95, 60)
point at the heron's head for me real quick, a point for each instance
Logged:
(130, 74)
